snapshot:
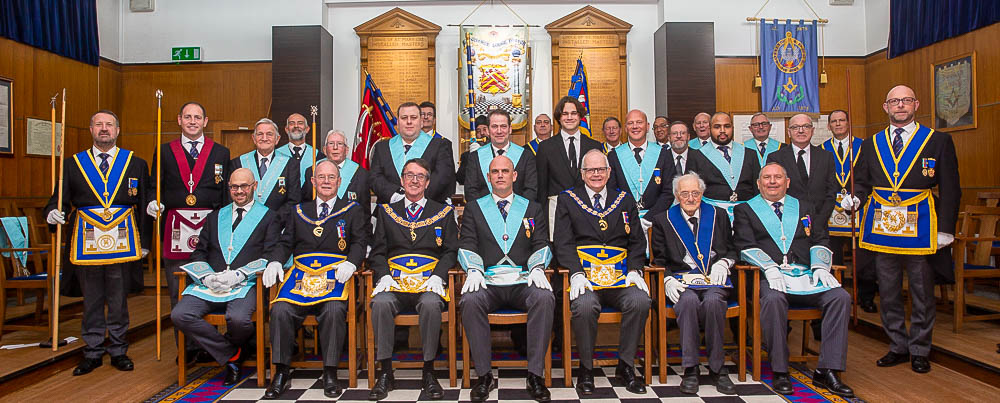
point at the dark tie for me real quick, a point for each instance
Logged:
(324, 212)
(762, 147)
(572, 153)
(104, 163)
(680, 167)
(406, 148)
(194, 149)
(502, 205)
(703, 142)
(897, 142)
(263, 167)
(802, 165)
(500, 152)
(597, 202)
(840, 148)
(414, 211)
(638, 156)
(694, 226)
(725, 153)
(777, 209)
(298, 152)
(239, 216)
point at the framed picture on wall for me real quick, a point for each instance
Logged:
(6, 116)
(38, 140)
(953, 93)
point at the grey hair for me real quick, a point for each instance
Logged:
(326, 161)
(597, 151)
(334, 131)
(758, 114)
(677, 180)
(269, 122)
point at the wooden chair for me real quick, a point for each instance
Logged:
(411, 319)
(975, 243)
(504, 317)
(30, 277)
(608, 315)
(219, 319)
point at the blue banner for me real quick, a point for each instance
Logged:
(788, 67)
(578, 89)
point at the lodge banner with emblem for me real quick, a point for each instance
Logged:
(788, 67)
(500, 73)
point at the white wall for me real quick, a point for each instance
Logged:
(876, 25)
(109, 31)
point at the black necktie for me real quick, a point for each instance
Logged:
(324, 212)
(725, 153)
(777, 209)
(597, 202)
(680, 167)
(638, 156)
(298, 152)
(762, 147)
(802, 165)
(194, 149)
(703, 142)
(239, 216)
(104, 163)
(897, 142)
(406, 148)
(500, 151)
(572, 153)
(502, 205)
(694, 226)
(840, 149)
(263, 167)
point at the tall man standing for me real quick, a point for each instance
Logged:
(296, 127)
(612, 130)
(810, 170)
(661, 130)
(276, 174)
(702, 130)
(477, 184)
(762, 143)
(727, 168)
(389, 156)
(542, 129)
(559, 159)
(642, 168)
(428, 119)
(482, 138)
(353, 178)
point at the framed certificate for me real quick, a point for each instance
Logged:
(6, 116)
(953, 93)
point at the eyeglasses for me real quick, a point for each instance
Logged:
(411, 176)
(326, 178)
(660, 126)
(896, 101)
(759, 124)
(244, 187)
(687, 195)
(591, 171)
(800, 128)
(336, 145)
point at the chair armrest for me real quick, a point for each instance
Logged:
(746, 267)
(33, 249)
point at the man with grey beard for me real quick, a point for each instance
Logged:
(297, 127)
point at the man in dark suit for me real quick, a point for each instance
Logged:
(389, 155)
(923, 159)
(477, 184)
(642, 168)
(505, 249)
(542, 129)
(598, 225)
(728, 168)
(679, 239)
(428, 119)
(810, 169)
(223, 267)
(678, 157)
(414, 246)
(702, 133)
(328, 239)
(353, 178)
(559, 157)
(482, 138)
(297, 128)
(276, 174)
(782, 236)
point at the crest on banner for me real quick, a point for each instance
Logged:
(500, 73)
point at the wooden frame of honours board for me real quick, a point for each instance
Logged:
(953, 80)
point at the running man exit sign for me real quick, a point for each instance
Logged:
(189, 53)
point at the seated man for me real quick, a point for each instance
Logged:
(413, 248)
(693, 243)
(504, 249)
(773, 227)
(230, 252)
(600, 242)
(328, 240)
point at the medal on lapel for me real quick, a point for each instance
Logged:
(133, 186)
(603, 224)
(528, 225)
(929, 164)
(281, 184)
(656, 176)
(413, 234)
(318, 231)
(733, 197)
(342, 243)
(806, 223)
(628, 229)
(352, 196)
(218, 173)
(437, 234)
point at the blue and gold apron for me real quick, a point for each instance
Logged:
(411, 271)
(605, 266)
(840, 220)
(312, 280)
(107, 233)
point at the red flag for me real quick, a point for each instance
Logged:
(375, 121)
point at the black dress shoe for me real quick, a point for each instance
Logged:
(122, 363)
(892, 359)
(689, 381)
(585, 381)
(280, 383)
(431, 387)
(331, 388)
(782, 384)
(537, 390)
(868, 306)
(87, 365)
(233, 370)
(481, 390)
(626, 375)
(920, 364)
(828, 379)
(384, 383)
(723, 384)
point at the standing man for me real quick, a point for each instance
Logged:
(761, 142)
(478, 185)
(603, 248)
(353, 178)
(327, 239)
(276, 174)
(428, 119)
(661, 130)
(642, 168)
(904, 223)
(542, 129)
(223, 271)
(679, 135)
(702, 130)
(781, 235)
(810, 169)
(559, 160)
(482, 138)
(105, 184)
(727, 168)
(504, 250)
(389, 156)
(296, 127)
(414, 246)
(697, 284)
(612, 130)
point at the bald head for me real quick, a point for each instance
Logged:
(901, 105)
(326, 180)
(242, 186)
(800, 130)
(636, 125)
(502, 176)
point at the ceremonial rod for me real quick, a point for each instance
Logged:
(313, 111)
(159, 181)
(57, 245)
(854, 211)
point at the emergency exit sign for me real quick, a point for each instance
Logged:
(189, 53)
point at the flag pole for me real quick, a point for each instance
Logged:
(159, 181)
(313, 110)
(59, 207)
(854, 211)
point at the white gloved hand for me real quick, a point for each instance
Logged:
(634, 277)
(56, 217)
(154, 208)
(826, 277)
(944, 239)
(344, 271)
(719, 272)
(536, 277)
(774, 278)
(273, 274)
(213, 283)
(474, 146)
(578, 284)
(850, 203)
(433, 284)
(673, 288)
(145, 252)
(396, 197)
(384, 284)
(474, 280)
(231, 278)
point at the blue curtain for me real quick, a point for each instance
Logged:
(64, 27)
(914, 24)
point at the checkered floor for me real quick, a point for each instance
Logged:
(307, 387)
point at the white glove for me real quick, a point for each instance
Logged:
(850, 203)
(536, 277)
(578, 284)
(433, 284)
(826, 277)
(384, 284)
(673, 288)
(944, 239)
(273, 274)
(719, 272)
(145, 252)
(774, 278)
(231, 278)
(344, 271)
(396, 197)
(474, 146)
(474, 280)
(634, 277)
(154, 208)
(56, 217)
(213, 283)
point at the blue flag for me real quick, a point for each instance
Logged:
(788, 67)
(578, 90)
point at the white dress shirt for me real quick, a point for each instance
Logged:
(270, 159)
(246, 208)
(186, 143)
(603, 193)
(509, 199)
(408, 202)
(909, 130)
(688, 259)
(329, 205)
(845, 142)
(805, 157)
(506, 149)
(641, 147)
(576, 144)
(111, 160)
(683, 155)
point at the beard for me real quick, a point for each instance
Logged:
(296, 135)
(723, 143)
(892, 118)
